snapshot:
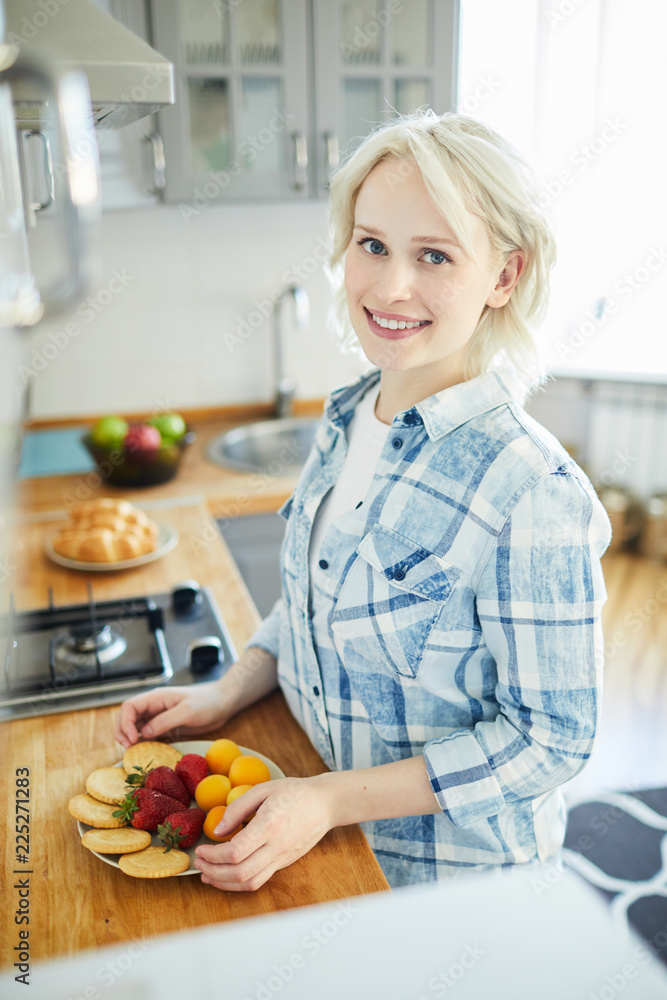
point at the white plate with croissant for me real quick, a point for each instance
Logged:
(107, 534)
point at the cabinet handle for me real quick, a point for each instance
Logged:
(78, 192)
(331, 157)
(300, 161)
(158, 163)
(39, 206)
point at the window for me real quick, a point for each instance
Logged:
(579, 87)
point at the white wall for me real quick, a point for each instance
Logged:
(157, 334)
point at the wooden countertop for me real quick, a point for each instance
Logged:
(77, 901)
(227, 493)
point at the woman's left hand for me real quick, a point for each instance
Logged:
(292, 814)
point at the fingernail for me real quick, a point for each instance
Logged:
(147, 731)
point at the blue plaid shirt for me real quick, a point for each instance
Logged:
(456, 615)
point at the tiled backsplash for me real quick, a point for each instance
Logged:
(179, 314)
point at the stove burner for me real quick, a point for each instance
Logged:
(84, 655)
(78, 649)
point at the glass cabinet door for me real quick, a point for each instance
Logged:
(238, 129)
(376, 58)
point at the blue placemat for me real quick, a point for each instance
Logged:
(54, 453)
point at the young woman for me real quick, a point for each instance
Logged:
(438, 635)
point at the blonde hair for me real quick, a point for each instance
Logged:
(467, 167)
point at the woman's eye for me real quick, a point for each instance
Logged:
(372, 246)
(438, 257)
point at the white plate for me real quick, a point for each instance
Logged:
(189, 746)
(167, 539)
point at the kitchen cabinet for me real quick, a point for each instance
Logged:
(126, 166)
(127, 82)
(254, 542)
(272, 93)
(239, 126)
(130, 157)
(394, 56)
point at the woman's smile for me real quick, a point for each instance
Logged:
(393, 327)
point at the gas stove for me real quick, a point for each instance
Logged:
(62, 658)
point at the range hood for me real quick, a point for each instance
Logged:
(127, 78)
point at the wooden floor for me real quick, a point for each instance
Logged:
(631, 748)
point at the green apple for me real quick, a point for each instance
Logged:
(109, 431)
(170, 425)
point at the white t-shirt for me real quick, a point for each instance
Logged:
(366, 436)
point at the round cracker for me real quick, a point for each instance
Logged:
(93, 812)
(151, 752)
(154, 862)
(121, 841)
(108, 784)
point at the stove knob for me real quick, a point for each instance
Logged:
(186, 597)
(204, 654)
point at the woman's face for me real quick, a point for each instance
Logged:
(404, 266)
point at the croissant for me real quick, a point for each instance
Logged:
(106, 530)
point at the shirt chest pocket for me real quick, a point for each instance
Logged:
(392, 596)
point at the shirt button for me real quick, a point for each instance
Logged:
(324, 564)
(397, 443)
(409, 418)
(316, 691)
(399, 574)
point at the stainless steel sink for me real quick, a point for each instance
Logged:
(273, 447)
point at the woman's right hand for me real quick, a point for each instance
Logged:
(178, 711)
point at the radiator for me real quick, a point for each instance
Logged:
(626, 436)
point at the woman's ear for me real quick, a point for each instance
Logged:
(507, 279)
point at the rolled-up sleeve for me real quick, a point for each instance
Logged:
(267, 635)
(539, 597)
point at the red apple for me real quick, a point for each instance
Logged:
(142, 437)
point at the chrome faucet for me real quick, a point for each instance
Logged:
(285, 387)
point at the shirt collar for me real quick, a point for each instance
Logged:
(340, 406)
(450, 408)
(440, 413)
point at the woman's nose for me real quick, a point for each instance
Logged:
(395, 282)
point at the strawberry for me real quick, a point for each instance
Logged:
(138, 780)
(145, 808)
(191, 769)
(181, 829)
(163, 779)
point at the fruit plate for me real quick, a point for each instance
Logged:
(189, 746)
(167, 539)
